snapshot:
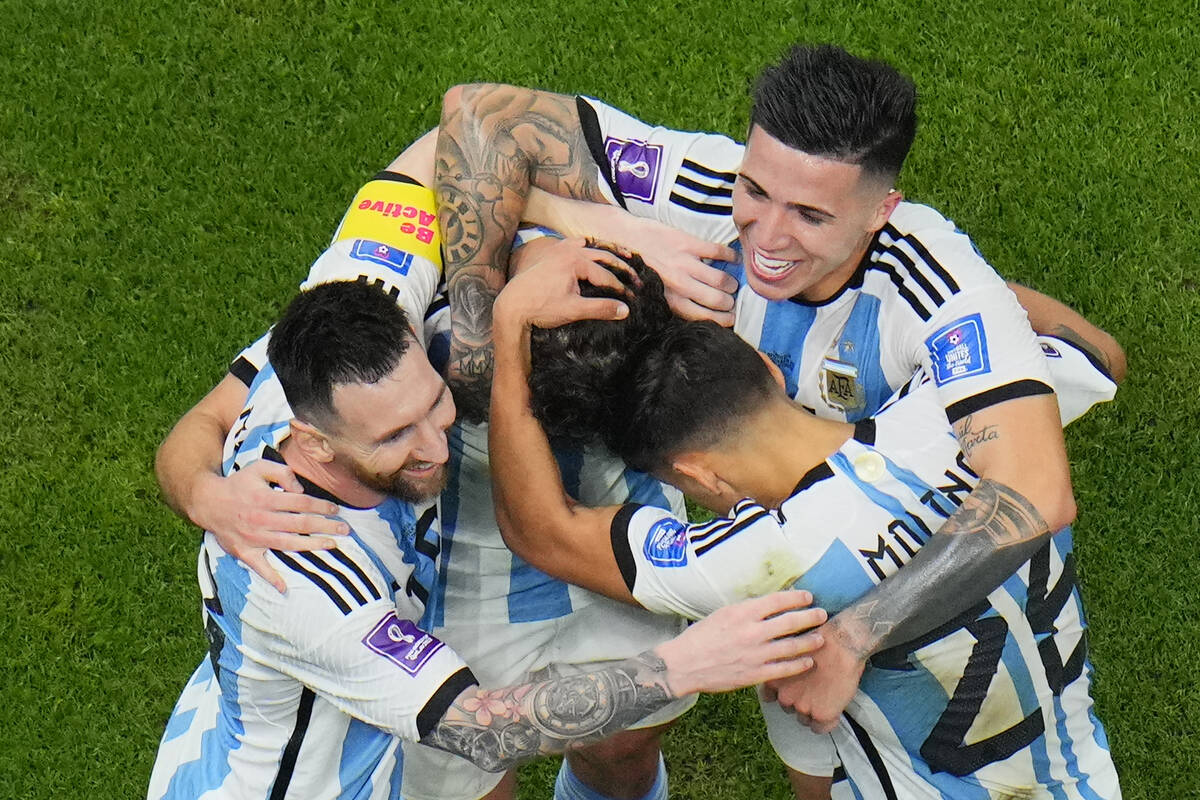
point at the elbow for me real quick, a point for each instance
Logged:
(1059, 511)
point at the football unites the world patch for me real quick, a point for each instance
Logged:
(402, 642)
(666, 543)
(634, 166)
(382, 254)
(959, 350)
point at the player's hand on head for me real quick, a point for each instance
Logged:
(750, 642)
(819, 696)
(546, 294)
(694, 289)
(249, 515)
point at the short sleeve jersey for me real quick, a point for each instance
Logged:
(997, 699)
(921, 297)
(305, 693)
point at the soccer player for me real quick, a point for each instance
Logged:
(994, 703)
(845, 286)
(500, 614)
(305, 693)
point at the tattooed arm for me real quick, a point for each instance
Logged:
(568, 706)
(1052, 318)
(494, 143)
(994, 531)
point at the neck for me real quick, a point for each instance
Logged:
(786, 444)
(330, 476)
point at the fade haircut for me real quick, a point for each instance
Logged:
(578, 368)
(825, 102)
(690, 390)
(335, 334)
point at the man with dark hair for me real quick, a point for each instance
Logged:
(840, 283)
(500, 614)
(307, 694)
(995, 702)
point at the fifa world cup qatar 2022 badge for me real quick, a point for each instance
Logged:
(959, 350)
(402, 643)
(633, 165)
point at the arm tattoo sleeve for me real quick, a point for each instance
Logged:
(991, 534)
(492, 147)
(559, 708)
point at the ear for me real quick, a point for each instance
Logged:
(694, 467)
(885, 208)
(774, 369)
(311, 441)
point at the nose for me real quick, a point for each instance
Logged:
(432, 445)
(770, 228)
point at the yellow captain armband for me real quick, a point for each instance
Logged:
(396, 211)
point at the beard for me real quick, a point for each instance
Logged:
(410, 490)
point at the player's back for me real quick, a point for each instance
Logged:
(998, 698)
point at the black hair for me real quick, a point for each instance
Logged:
(690, 389)
(826, 102)
(578, 368)
(335, 333)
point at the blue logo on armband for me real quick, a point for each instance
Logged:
(959, 350)
(382, 254)
(666, 543)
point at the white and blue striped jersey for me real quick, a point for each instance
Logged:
(922, 296)
(306, 694)
(993, 704)
(482, 581)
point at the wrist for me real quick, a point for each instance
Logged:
(191, 499)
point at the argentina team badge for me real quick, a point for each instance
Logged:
(840, 386)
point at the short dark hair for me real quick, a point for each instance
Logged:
(690, 389)
(578, 368)
(335, 334)
(826, 102)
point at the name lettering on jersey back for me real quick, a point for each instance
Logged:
(421, 226)
(402, 642)
(903, 536)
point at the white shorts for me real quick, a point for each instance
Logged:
(603, 630)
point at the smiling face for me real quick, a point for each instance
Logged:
(392, 433)
(804, 221)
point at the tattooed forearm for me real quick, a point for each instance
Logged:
(1075, 338)
(970, 437)
(495, 142)
(556, 710)
(981, 544)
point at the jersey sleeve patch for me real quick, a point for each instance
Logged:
(384, 255)
(959, 350)
(666, 543)
(402, 642)
(634, 166)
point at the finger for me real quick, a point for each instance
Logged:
(712, 250)
(794, 646)
(598, 276)
(703, 294)
(776, 670)
(257, 561)
(298, 504)
(625, 252)
(792, 622)
(767, 692)
(283, 538)
(596, 308)
(826, 726)
(686, 309)
(716, 278)
(778, 602)
(286, 522)
(279, 474)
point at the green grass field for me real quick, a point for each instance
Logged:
(169, 170)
